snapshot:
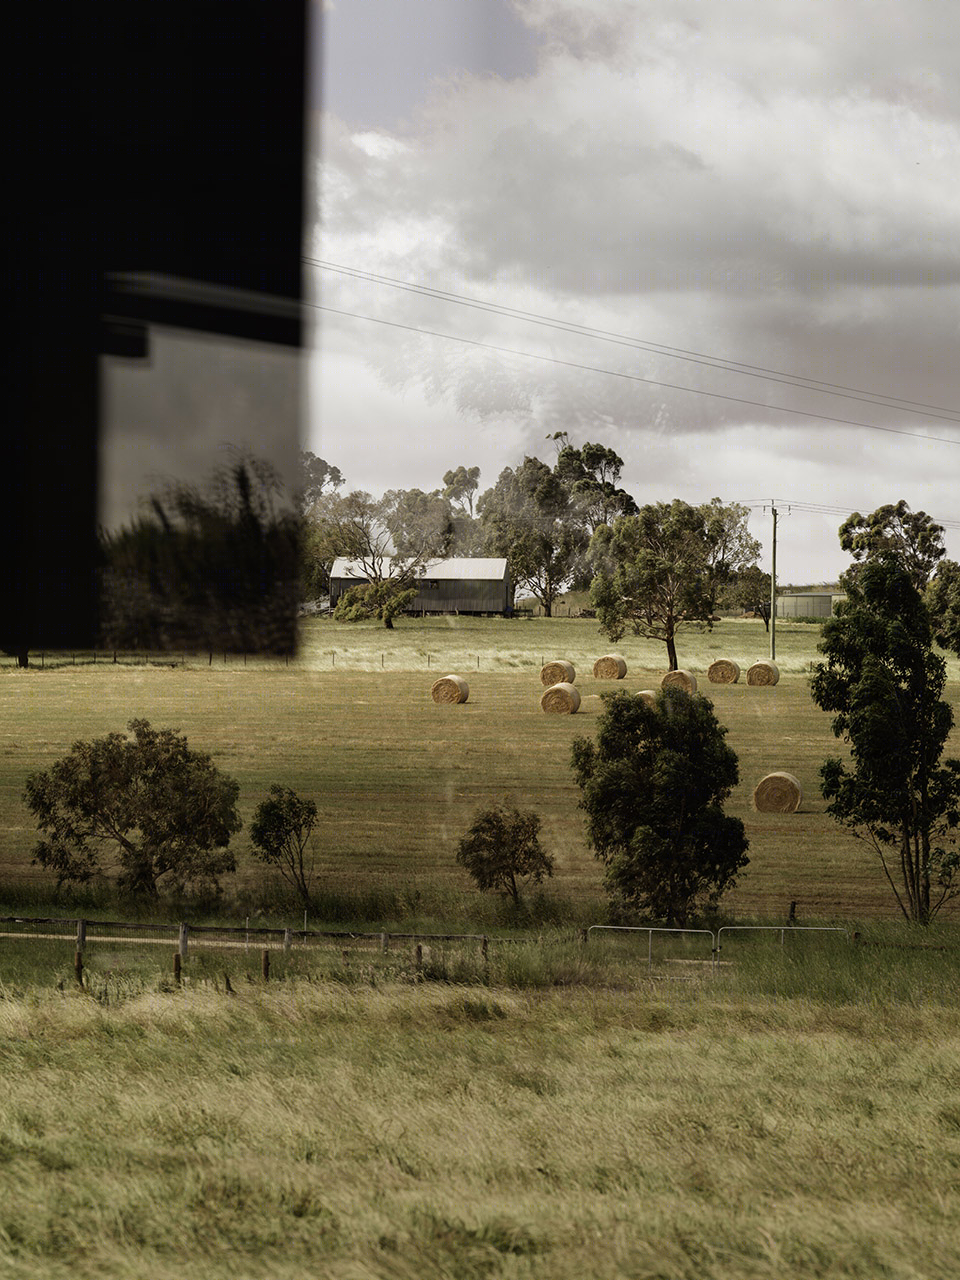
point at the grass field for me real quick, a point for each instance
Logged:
(397, 778)
(781, 1120)
(557, 1112)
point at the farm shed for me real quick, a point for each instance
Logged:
(807, 604)
(463, 584)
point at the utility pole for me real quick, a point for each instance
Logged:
(773, 589)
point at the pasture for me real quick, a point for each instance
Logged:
(780, 1120)
(559, 1112)
(397, 778)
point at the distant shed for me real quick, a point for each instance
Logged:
(808, 604)
(462, 584)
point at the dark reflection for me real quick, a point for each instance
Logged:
(205, 569)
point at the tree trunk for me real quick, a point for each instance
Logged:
(672, 653)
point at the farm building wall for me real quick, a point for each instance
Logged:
(446, 594)
(807, 605)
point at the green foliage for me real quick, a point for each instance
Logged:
(502, 847)
(316, 478)
(942, 598)
(591, 475)
(280, 833)
(530, 518)
(460, 486)
(216, 569)
(884, 682)
(654, 784)
(382, 600)
(144, 806)
(912, 538)
(749, 589)
(653, 573)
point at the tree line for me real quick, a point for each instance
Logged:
(570, 526)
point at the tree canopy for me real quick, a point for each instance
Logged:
(529, 518)
(884, 681)
(912, 538)
(502, 847)
(143, 807)
(653, 787)
(216, 567)
(281, 833)
(661, 569)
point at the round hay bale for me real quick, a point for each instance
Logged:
(557, 672)
(649, 696)
(562, 698)
(610, 667)
(685, 680)
(450, 689)
(763, 673)
(778, 793)
(723, 671)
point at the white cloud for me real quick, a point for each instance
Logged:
(768, 182)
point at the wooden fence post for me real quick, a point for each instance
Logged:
(184, 931)
(176, 968)
(286, 939)
(78, 967)
(265, 966)
(418, 959)
(81, 935)
(384, 941)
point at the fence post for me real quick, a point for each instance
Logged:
(265, 966)
(184, 931)
(286, 939)
(418, 959)
(81, 935)
(384, 941)
(177, 963)
(78, 967)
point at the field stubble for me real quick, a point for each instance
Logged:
(397, 778)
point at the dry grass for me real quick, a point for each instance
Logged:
(392, 779)
(433, 1132)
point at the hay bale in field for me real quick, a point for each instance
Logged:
(450, 689)
(610, 667)
(685, 680)
(778, 793)
(723, 671)
(649, 696)
(557, 672)
(763, 674)
(562, 698)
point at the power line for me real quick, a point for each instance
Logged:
(630, 377)
(707, 360)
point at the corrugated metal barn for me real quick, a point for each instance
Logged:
(478, 584)
(809, 604)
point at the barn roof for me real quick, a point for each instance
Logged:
(457, 568)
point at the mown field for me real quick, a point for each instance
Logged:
(397, 778)
(557, 1112)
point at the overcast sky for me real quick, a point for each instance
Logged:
(760, 181)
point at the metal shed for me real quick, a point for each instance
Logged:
(463, 584)
(809, 604)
